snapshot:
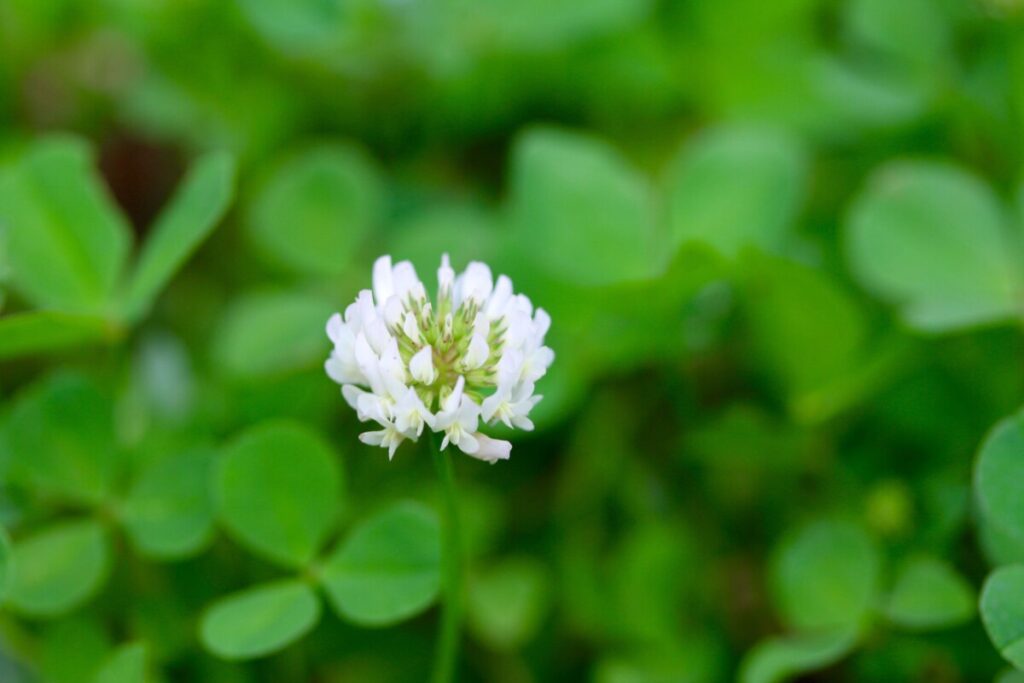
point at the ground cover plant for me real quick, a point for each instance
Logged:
(747, 405)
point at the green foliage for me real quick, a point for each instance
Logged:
(928, 594)
(1001, 547)
(73, 649)
(997, 478)
(59, 568)
(647, 598)
(782, 247)
(735, 187)
(536, 25)
(66, 241)
(508, 601)
(932, 239)
(296, 27)
(1002, 610)
(272, 333)
(915, 31)
(67, 245)
(780, 659)
(194, 212)
(259, 620)
(61, 435)
(388, 568)
(593, 212)
(466, 232)
(5, 564)
(825, 576)
(126, 665)
(315, 209)
(168, 512)
(811, 333)
(690, 663)
(24, 333)
(278, 491)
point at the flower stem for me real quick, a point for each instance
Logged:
(451, 570)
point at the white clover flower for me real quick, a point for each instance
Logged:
(409, 364)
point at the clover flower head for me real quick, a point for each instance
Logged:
(472, 355)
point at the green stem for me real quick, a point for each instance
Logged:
(451, 568)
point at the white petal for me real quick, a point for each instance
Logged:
(536, 366)
(335, 328)
(411, 328)
(522, 392)
(469, 444)
(541, 323)
(377, 334)
(482, 324)
(451, 404)
(510, 367)
(368, 363)
(491, 450)
(476, 282)
(373, 438)
(489, 407)
(352, 394)
(404, 279)
(477, 353)
(335, 369)
(522, 304)
(365, 311)
(518, 328)
(491, 404)
(499, 298)
(383, 281)
(523, 422)
(469, 414)
(394, 386)
(393, 310)
(421, 365)
(411, 415)
(372, 407)
(365, 356)
(418, 292)
(445, 275)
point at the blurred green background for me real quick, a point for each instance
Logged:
(782, 245)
